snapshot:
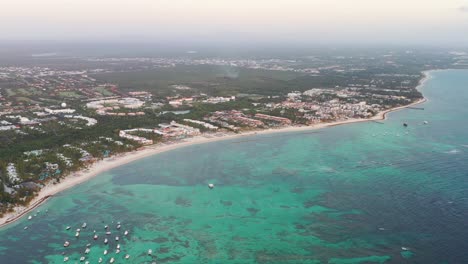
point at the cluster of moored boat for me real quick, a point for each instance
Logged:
(30, 217)
(107, 238)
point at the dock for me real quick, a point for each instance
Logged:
(415, 108)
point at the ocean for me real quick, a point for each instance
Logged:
(373, 192)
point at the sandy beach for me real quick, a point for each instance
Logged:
(106, 164)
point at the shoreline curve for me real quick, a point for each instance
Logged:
(79, 177)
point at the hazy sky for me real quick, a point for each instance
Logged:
(304, 21)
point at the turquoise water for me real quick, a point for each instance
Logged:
(348, 194)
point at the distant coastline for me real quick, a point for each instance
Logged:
(106, 164)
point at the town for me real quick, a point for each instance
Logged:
(58, 119)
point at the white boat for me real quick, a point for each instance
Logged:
(111, 260)
(82, 258)
(404, 248)
(65, 259)
(117, 251)
(118, 246)
(87, 251)
(100, 260)
(106, 227)
(29, 217)
(118, 226)
(66, 244)
(211, 186)
(78, 230)
(108, 233)
(95, 237)
(84, 225)
(126, 232)
(88, 245)
(105, 241)
(127, 256)
(116, 238)
(68, 227)
(25, 228)
(77, 234)
(87, 262)
(105, 252)
(426, 122)
(150, 251)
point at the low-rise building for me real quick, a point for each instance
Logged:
(281, 120)
(12, 174)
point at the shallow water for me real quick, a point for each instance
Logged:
(349, 194)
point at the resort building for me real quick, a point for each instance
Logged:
(12, 174)
(281, 120)
(89, 121)
(204, 124)
(59, 111)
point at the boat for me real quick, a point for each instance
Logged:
(108, 233)
(88, 245)
(25, 228)
(66, 244)
(150, 251)
(77, 234)
(405, 124)
(126, 232)
(404, 248)
(78, 230)
(100, 260)
(87, 262)
(87, 251)
(118, 226)
(106, 227)
(29, 217)
(95, 237)
(111, 260)
(84, 225)
(65, 259)
(82, 258)
(105, 252)
(211, 185)
(117, 251)
(68, 228)
(118, 246)
(105, 241)
(425, 122)
(127, 256)
(116, 238)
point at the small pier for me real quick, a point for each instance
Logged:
(378, 122)
(415, 108)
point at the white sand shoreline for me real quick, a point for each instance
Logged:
(106, 164)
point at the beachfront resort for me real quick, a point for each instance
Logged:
(56, 121)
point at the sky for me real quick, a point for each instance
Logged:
(439, 22)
